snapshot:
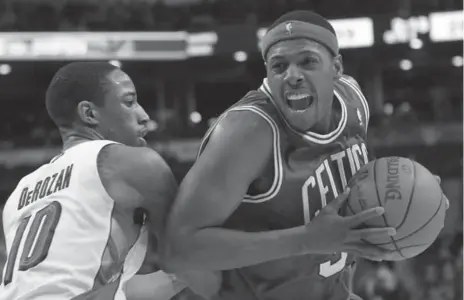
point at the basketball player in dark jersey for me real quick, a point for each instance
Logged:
(261, 202)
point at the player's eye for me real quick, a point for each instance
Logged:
(279, 67)
(309, 61)
(130, 103)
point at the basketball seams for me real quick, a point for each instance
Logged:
(349, 184)
(353, 212)
(361, 204)
(420, 228)
(416, 245)
(380, 204)
(411, 196)
(421, 235)
(349, 207)
(405, 247)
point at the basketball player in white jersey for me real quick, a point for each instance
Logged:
(76, 228)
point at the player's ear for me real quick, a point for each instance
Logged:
(87, 113)
(338, 65)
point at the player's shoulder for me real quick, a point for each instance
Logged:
(30, 178)
(253, 97)
(11, 204)
(248, 114)
(259, 100)
(245, 124)
(247, 118)
(133, 176)
(122, 160)
(348, 79)
(349, 90)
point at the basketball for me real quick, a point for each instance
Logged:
(413, 200)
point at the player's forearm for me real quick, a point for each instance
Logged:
(222, 249)
(154, 286)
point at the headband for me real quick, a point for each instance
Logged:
(291, 30)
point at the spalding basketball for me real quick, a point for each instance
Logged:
(413, 200)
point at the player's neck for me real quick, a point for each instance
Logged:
(323, 126)
(73, 137)
(328, 122)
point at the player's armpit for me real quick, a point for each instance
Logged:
(237, 151)
(139, 177)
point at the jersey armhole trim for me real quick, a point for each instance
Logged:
(277, 157)
(363, 99)
(97, 170)
(208, 134)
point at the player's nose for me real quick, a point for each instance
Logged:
(294, 76)
(142, 116)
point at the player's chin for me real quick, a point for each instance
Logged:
(141, 142)
(301, 120)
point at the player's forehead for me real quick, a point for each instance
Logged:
(120, 82)
(291, 48)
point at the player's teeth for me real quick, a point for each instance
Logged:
(300, 104)
(297, 97)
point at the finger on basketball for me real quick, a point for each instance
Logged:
(367, 256)
(366, 233)
(438, 178)
(364, 215)
(338, 202)
(369, 251)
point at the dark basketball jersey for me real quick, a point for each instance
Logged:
(306, 171)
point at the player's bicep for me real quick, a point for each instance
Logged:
(236, 152)
(156, 185)
(139, 177)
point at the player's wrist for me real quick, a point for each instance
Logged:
(313, 234)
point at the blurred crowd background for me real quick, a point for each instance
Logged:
(191, 59)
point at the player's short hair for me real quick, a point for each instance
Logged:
(73, 83)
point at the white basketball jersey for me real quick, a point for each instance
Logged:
(64, 234)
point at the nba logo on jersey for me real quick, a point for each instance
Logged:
(289, 28)
(358, 112)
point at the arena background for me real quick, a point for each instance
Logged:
(191, 59)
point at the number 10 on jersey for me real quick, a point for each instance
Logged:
(37, 242)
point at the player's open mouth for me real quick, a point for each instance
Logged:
(143, 132)
(299, 102)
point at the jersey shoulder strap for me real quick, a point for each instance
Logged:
(255, 101)
(351, 94)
